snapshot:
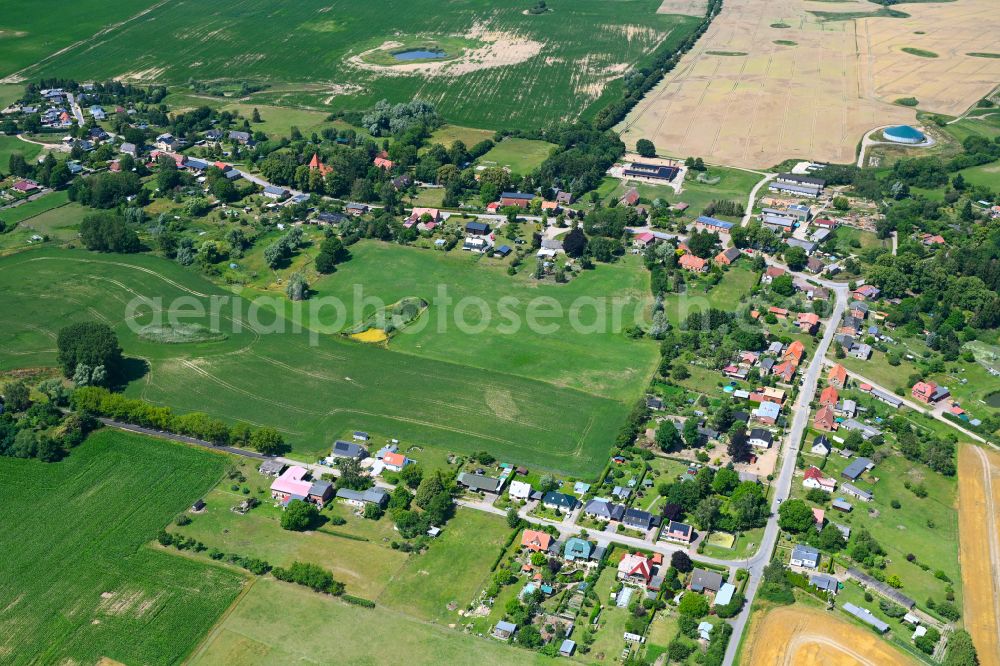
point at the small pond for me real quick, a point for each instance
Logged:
(419, 54)
(993, 399)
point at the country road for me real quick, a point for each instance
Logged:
(783, 483)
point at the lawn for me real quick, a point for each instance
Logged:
(315, 628)
(364, 566)
(734, 185)
(313, 387)
(521, 156)
(608, 641)
(60, 222)
(79, 579)
(537, 69)
(728, 294)
(452, 571)
(278, 121)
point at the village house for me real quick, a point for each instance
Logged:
(576, 549)
(559, 501)
(517, 199)
(602, 509)
(804, 556)
(767, 413)
(689, 262)
(315, 164)
(702, 579)
(630, 198)
(813, 478)
(635, 568)
(536, 541)
(837, 377)
(825, 419)
(519, 490)
(821, 446)
(808, 322)
(395, 462)
(382, 161)
(829, 397)
(504, 630)
(770, 273)
(929, 392)
(638, 519)
(761, 438)
(356, 209)
(342, 449)
(677, 532)
(479, 482)
(296, 484)
(417, 218)
(866, 292)
(727, 257)
(360, 498)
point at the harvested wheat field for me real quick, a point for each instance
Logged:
(810, 87)
(949, 83)
(802, 636)
(979, 548)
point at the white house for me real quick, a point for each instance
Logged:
(814, 478)
(761, 438)
(519, 490)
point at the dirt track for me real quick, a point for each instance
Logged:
(979, 549)
(739, 97)
(802, 636)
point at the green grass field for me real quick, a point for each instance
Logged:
(28, 37)
(452, 571)
(601, 363)
(79, 579)
(278, 624)
(11, 144)
(564, 61)
(49, 216)
(521, 156)
(987, 175)
(317, 387)
(470, 136)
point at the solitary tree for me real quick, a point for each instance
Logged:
(299, 516)
(267, 440)
(795, 516)
(681, 561)
(645, 148)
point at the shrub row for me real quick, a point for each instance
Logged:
(309, 575)
(252, 564)
(100, 401)
(358, 601)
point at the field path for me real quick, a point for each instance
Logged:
(979, 548)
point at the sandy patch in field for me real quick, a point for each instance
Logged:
(977, 514)
(814, 100)
(685, 7)
(339, 89)
(802, 636)
(150, 74)
(953, 81)
(499, 49)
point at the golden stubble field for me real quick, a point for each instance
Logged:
(750, 94)
(979, 549)
(803, 636)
